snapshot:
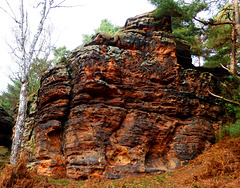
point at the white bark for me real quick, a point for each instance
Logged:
(26, 57)
(19, 127)
(25, 65)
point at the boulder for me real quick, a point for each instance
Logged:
(124, 104)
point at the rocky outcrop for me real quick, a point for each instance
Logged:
(6, 125)
(123, 105)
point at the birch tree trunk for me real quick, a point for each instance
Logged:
(19, 127)
(27, 52)
(25, 65)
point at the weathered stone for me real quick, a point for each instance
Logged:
(124, 105)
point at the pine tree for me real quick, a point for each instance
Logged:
(183, 24)
(214, 38)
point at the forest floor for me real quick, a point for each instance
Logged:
(218, 167)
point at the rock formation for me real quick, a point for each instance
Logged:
(123, 105)
(6, 125)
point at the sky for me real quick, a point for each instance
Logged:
(69, 24)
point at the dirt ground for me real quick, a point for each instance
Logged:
(218, 167)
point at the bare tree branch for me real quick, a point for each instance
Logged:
(60, 5)
(9, 14)
(12, 14)
(24, 53)
(229, 71)
(214, 23)
(224, 99)
(67, 6)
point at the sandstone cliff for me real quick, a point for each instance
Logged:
(123, 105)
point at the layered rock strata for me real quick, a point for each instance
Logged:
(124, 105)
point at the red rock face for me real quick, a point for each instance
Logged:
(124, 105)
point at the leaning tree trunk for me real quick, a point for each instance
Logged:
(233, 63)
(19, 127)
(26, 65)
(237, 19)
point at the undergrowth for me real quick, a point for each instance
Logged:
(231, 90)
(233, 130)
(218, 167)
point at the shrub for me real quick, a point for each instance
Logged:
(233, 130)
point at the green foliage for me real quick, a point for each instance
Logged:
(108, 27)
(212, 42)
(10, 98)
(232, 111)
(233, 130)
(167, 8)
(60, 53)
(183, 25)
(182, 9)
(231, 91)
(38, 67)
(218, 40)
(59, 181)
(105, 26)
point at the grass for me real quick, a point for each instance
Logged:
(4, 156)
(59, 181)
(232, 130)
(3, 151)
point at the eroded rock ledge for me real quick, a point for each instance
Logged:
(123, 105)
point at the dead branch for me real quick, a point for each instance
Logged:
(9, 15)
(225, 12)
(229, 71)
(214, 23)
(60, 5)
(224, 99)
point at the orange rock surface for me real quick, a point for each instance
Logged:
(124, 105)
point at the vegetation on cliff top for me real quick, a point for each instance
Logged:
(9, 99)
(211, 27)
(105, 26)
(216, 167)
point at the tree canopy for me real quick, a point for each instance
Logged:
(212, 36)
(9, 99)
